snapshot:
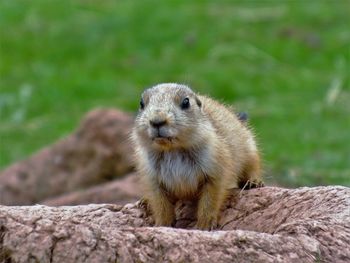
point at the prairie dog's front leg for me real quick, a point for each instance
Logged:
(162, 209)
(210, 202)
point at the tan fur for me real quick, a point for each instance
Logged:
(197, 153)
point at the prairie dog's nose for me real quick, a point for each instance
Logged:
(157, 122)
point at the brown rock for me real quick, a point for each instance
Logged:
(260, 225)
(96, 152)
(120, 191)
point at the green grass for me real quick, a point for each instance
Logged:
(284, 62)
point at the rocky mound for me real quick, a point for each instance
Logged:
(260, 225)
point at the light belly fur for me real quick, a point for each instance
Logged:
(179, 174)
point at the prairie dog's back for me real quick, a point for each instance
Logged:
(232, 132)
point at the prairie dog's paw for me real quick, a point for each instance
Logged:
(207, 224)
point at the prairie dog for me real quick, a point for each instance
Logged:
(189, 146)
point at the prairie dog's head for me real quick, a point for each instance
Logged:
(170, 117)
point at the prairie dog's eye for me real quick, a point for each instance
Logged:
(185, 104)
(142, 104)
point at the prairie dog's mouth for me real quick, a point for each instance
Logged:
(161, 136)
(162, 140)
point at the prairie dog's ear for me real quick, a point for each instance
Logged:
(242, 116)
(199, 103)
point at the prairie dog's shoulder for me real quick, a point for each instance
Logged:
(212, 106)
(221, 116)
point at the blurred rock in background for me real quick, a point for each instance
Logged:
(99, 151)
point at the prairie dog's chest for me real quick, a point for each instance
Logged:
(180, 173)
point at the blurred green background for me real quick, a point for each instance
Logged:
(286, 63)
